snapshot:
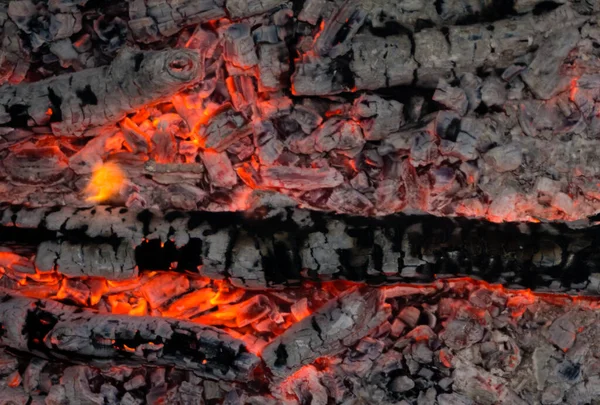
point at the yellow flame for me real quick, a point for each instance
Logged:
(106, 182)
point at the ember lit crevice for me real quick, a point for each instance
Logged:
(212, 202)
(269, 251)
(494, 117)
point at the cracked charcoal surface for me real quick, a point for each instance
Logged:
(473, 109)
(52, 330)
(359, 108)
(287, 246)
(531, 349)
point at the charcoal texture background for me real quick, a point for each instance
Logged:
(366, 108)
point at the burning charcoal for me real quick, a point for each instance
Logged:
(378, 117)
(410, 316)
(307, 118)
(337, 32)
(219, 168)
(135, 140)
(225, 128)
(326, 332)
(77, 388)
(164, 146)
(460, 334)
(77, 335)
(242, 91)
(453, 98)
(349, 201)
(272, 66)
(269, 152)
(136, 382)
(163, 287)
(31, 376)
(543, 74)
(300, 178)
(71, 103)
(38, 165)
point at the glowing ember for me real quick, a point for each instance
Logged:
(106, 182)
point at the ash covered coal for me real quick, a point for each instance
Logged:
(457, 342)
(364, 108)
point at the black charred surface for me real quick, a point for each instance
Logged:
(295, 245)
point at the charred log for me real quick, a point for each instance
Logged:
(69, 104)
(332, 329)
(52, 330)
(283, 249)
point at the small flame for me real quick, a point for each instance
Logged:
(107, 180)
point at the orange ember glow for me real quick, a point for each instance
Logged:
(106, 182)
(333, 113)
(574, 89)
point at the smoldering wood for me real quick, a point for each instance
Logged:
(94, 260)
(415, 156)
(53, 330)
(71, 103)
(327, 332)
(435, 345)
(435, 54)
(285, 248)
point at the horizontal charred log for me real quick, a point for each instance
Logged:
(53, 330)
(290, 246)
(70, 103)
(436, 344)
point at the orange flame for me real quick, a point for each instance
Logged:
(106, 182)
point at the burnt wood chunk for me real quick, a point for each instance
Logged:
(94, 260)
(71, 103)
(327, 332)
(56, 331)
(299, 178)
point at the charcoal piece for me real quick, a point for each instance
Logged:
(92, 338)
(338, 30)
(378, 117)
(151, 20)
(326, 332)
(493, 92)
(300, 178)
(248, 8)
(71, 103)
(30, 165)
(97, 260)
(543, 74)
(453, 98)
(239, 48)
(219, 168)
(225, 127)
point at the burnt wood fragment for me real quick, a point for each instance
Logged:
(71, 103)
(327, 332)
(281, 249)
(53, 330)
